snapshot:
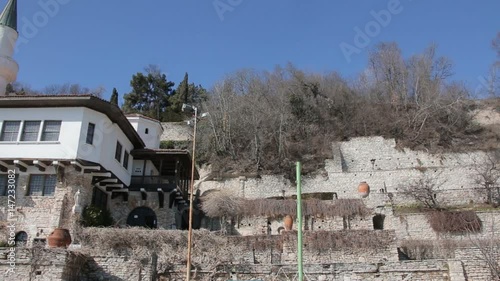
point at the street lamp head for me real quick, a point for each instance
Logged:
(188, 107)
(203, 115)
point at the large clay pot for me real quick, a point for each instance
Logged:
(363, 189)
(288, 222)
(59, 238)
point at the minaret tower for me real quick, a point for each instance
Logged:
(8, 38)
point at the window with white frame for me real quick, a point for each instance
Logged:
(118, 152)
(30, 130)
(51, 130)
(42, 185)
(10, 130)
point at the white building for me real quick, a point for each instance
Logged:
(57, 145)
(59, 154)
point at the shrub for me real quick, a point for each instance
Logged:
(454, 221)
(351, 239)
(93, 216)
(222, 204)
(170, 144)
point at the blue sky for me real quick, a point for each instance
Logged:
(103, 43)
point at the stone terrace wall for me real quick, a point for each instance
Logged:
(475, 264)
(59, 264)
(416, 226)
(39, 215)
(378, 162)
(48, 265)
(115, 268)
(409, 271)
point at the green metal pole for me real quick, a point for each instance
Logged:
(299, 224)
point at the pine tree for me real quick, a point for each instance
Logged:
(185, 93)
(9, 89)
(150, 93)
(114, 97)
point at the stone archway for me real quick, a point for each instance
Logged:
(21, 239)
(143, 217)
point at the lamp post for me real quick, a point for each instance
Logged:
(191, 188)
(191, 191)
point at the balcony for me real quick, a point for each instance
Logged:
(153, 183)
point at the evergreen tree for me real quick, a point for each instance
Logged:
(114, 97)
(9, 89)
(185, 93)
(150, 93)
(184, 87)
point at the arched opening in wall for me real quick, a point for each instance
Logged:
(142, 217)
(378, 222)
(280, 229)
(21, 239)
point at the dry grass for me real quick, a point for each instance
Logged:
(140, 244)
(212, 249)
(431, 249)
(351, 239)
(219, 204)
(454, 222)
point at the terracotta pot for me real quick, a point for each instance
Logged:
(288, 222)
(363, 189)
(59, 238)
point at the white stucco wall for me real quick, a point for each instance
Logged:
(72, 138)
(103, 149)
(138, 168)
(65, 148)
(152, 138)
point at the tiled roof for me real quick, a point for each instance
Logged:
(142, 116)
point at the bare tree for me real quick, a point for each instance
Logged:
(425, 191)
(496, 46)
(390, 72)
(72, 89)
(487, 176)
(489, 251)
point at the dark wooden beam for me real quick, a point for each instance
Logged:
(4, 167)
(40, 165)
(21, 166)
(161, 197)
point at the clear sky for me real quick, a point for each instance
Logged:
(104, 42)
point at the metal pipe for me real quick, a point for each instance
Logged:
(191, 190)
(299, 224)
